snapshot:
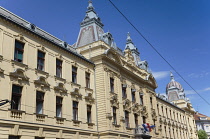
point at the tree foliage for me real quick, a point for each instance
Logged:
(202, 134)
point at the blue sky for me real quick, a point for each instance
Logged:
(179, 30)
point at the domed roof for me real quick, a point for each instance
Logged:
(174, 84)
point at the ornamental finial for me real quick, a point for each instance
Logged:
(129, 38)
(172, 76)
(90, 5)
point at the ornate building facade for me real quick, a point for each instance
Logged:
(91, 89)
(202, 123)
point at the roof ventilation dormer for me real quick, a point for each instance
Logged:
(31, 26)
(64, 44)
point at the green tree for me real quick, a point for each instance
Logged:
(202, 134)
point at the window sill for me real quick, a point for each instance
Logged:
(19, 64)
(41, 72)
(124, 98)
(90, 124)
(76, 121)
(129, 128)
(60, 78)
(43, 115)
(60, 118)
(116, 125)
(15, 110)
(88, 89)
(75, 84)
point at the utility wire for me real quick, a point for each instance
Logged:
(156, 50)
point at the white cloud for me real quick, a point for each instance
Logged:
(207, 89)
(160, 74)
(199, 75)
(190, 92)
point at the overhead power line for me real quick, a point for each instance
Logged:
(156, 50)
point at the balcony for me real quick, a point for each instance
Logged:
(140, 133)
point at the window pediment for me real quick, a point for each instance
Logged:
(89, 97)
(75, 92)
(42, 81)
(127, 105)
(136, 108)
(114, 100)
(60, 87)
(19, 74)
(111, 54)
(144, 111)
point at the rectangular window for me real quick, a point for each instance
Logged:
(14, 137)
(127, 119)
(89, 120)
(124, 95)
(59, 106)
(58, 68)
(151, 102)
(75, 110)
(40, 60)
(16, 97)
(162, 110)
(39, 102)
(136, 120)
(141, 99)
(39, 138)
(133, 94)
(114, 109)
(144, 119)
(112, 85)
(74, 74)
(19, 50)
(158, 108)
(87, 79)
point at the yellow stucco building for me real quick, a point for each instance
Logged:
(90, 90)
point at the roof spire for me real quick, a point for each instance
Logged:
(172, 76)
(129, 40)
(90, 5)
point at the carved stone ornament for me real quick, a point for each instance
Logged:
(114, 100)
(129, 56)
(75, 93)
(169, 123)
(160, 120)
(1, 70)
(109, 116)
(173, 125)
(20, 37)
(136, 108)
(60, 88)
(165, 122)
(133, 87)
(122, 119)
(154, 117)
(127, 105)
(89, 97)
(144, 111)
(42, 81)
(59, 56)
(19, 74)
(41, 47)
(111, 72)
